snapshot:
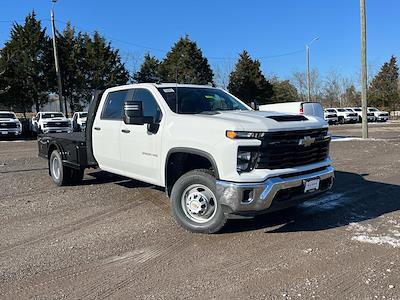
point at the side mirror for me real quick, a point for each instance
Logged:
(254, 105)
(34, 119)
(133, 113)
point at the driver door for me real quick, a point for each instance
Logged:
(140, 148)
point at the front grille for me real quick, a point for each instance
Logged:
(286, 149)
(352, 115)
(8, 125)
(331, 116)
(383, 115)
(370, 114)
(56, 124)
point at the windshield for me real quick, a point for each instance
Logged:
(330, 110)
(372, 109)
(7, 116)
(52, 115)
(193, 100)
(357, 109)
(83, 115)
(348, 109)
(341, 109)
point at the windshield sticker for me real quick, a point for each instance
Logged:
(168, 90)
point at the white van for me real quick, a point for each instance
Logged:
(298, 108)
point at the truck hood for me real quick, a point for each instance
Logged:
(261, 121)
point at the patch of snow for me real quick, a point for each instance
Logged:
(378, 240)
(328, 201)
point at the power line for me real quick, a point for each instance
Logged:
(158, 49)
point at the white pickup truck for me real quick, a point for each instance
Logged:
(48, 122)
(9, 124)
(380, 116)
(79, 121)
(345, 116)
(215, 156)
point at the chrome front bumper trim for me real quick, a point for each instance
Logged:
(230, 194)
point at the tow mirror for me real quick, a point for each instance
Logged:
(133, 113)
(254, 105)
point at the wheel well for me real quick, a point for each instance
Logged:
(51, 149)
(179, 163)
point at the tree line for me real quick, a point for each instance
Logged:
(87, 62)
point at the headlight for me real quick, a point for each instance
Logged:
(243, 134)
(246, 158)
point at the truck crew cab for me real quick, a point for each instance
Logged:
(215, 156)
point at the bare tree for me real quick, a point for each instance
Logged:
(338, 90)
(299, 80)
(222, 70)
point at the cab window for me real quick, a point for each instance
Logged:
(114, 105)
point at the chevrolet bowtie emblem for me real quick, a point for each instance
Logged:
(306, 141)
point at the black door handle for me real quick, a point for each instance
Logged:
(97, 128)
(125, 130)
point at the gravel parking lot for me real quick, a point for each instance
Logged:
(112, 237)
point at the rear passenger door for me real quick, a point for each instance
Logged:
(140, 148)
(106, 131)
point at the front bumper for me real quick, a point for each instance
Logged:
(351, 119)
(273, 194)
(56, 129)
(10, 131)
(382, 118)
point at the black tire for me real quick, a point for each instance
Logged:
(341, 120)
(202, 178)
(61, 174)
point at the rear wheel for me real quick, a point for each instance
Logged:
(194, 202)
(61, 174)
(341, 120)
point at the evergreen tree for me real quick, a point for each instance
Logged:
(352, 97)
(69, 51)
(185, 63)
(247, 81)
(24, 62)
(383, 90)
(283, 90)
(149, 70)
(100, 65)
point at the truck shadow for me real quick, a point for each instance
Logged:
(353, 199)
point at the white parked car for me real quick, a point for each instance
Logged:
(358, 111)
(50, 122)
(330, 116)
(79, 121)
(214, 155)
(380, 116)
(9, 124)
(299, 108)
(345, 116)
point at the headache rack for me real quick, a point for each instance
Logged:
(286, 149)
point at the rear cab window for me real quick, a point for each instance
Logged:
(114, 105)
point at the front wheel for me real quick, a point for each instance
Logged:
(194, 202)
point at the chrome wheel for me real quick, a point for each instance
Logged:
(55, 168)
(199, 203)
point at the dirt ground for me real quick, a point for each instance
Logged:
(112, 237)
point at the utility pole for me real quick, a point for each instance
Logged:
(56, 61)
(308, 68)
(364, 102)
